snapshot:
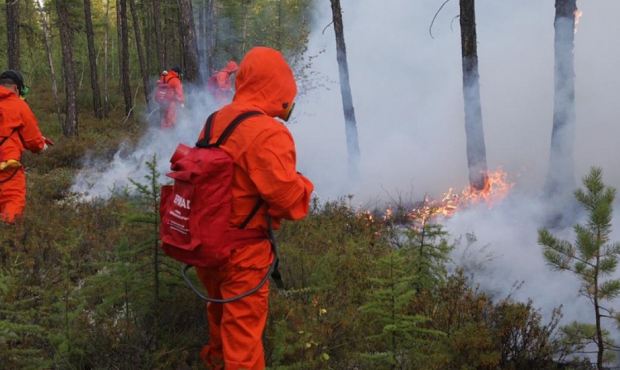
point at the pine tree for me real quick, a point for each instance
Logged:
(388, 307)
(427, 253)
(591, 258)
(21, 336)
(149, 214)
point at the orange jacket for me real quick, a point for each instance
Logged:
(262, 147)
(19, 126)
(173, 82)
(223, 76)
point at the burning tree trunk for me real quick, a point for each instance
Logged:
(476, 148)
(138, 37)
(561, 177)
(12, 32)
(345, 89)
(92, 59)
(123, 39)
(188, 39)
(70, 126)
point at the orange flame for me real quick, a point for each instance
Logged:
(496, 188)
(578, 14)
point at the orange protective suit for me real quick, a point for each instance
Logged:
(265, 159)
(171, 82)
(19, 130)
(221, 84)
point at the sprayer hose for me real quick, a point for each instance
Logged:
(272, 267)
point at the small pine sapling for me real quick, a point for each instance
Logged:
(592, 258)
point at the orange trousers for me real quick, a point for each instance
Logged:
(168, 115)
(12, 194)
(236, 328)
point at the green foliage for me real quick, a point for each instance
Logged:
(21, 337)
(398, 330)
(281, 24)
(591, 258)
(78, 290)
(428, 252)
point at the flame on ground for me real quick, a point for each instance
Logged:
(496, 188)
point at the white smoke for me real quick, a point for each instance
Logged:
(101, 179)
(407, 93)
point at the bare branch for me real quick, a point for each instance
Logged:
(430, 27)
(326, 27)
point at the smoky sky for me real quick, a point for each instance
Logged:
(407, 93)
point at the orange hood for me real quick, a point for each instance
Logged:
(231, 67)
(265, 81)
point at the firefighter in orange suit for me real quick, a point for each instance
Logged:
(19, 130)
(220, 83)
(169, 95)
(264, 154)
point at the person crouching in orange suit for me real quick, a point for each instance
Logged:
(169, 95)
(19, 130)
(220, 84)
(265, 167)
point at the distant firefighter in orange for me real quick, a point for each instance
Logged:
(169, 96)
(19, 130)
(220, 84)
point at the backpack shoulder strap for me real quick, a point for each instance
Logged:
(259, 203)
(206, 138)
(204, 142)
(3, 139)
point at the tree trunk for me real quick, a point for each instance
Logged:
(561, 176)
(47, 37)
(158, 35)
(210, 37)
(345, 90)
(244, 30)
(92, 59)
(206, 33)
(188, 40)
(12, 32)
(124, 55)
(149, 43)
(136, 28)
(70, 126)
(279, 35)
(201, 36)
(106, 75)
(476, 148)
(168, 30)
(597, 310)
(119, 42)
